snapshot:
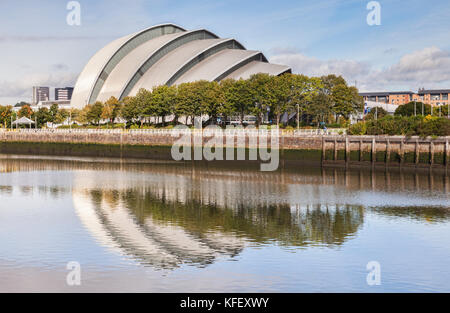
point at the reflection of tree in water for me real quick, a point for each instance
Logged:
(157, 245)
(165, 234)
(430, 215)
(261, 224)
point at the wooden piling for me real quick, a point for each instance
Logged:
(432, 153)
(374, 150)
(388, 151)
(323, 149)
(417, 152)
(402, 151)
(347, 150)
(361, 156)
(335, 150)
(447, 152)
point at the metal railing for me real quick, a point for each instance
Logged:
(172, 132)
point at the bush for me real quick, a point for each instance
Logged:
(433, 126)
(408, 109)
(358, 129)
(289, 128)
(402, 125)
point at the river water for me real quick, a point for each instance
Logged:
(164, 227)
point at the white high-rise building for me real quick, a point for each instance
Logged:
(40, 94)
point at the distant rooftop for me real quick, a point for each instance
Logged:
(385, 93)
(435, 91)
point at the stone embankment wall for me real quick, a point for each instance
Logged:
(156, 144)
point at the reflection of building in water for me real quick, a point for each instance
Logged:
(167, 215)
(157, 244)
(167, 220)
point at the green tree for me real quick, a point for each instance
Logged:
(25, 111)
(318, 109)
(227, 107)
(413, 108)
(307, 97)
(376, 113)
(61, 116)
(111, 109)
(131, 111)
(346, 100)
(163, 101)
(6, 112)
(53, 112)
(211, 99)
(240, 97)
(259, 87)
(329, 82)
(94, 115)
(188, 103)
(280, 95)
(41, 117)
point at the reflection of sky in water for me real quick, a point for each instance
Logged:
(41, 231)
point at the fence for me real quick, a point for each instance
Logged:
(171, 132)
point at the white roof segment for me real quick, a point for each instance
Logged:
(214, 66)
(91, 71)
(164, 69)
(130, 64)
(256, 67)
(165, 54)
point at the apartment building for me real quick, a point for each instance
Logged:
(40, 94)
(63, 94)
(432, 97)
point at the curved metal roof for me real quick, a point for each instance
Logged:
(105, 60)
(255, 67)
(165, 54)
(88, 76)
(177, 61)
(130, 65)
(215, 66)
(184, 39)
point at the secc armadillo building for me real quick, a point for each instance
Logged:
(165, 54)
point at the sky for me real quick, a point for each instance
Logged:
(408, 51)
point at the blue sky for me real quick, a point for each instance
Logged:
(410, 49)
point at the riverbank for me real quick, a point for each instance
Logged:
(294, 147)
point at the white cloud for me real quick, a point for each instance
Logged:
(314, 67)
(429, 67)
(22, 89)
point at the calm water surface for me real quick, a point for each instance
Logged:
(176, 228)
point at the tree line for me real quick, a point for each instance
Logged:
(326, 99)
(411, 119)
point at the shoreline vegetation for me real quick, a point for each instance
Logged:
(326, 100)
(288, 102)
